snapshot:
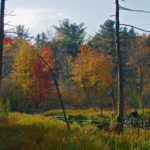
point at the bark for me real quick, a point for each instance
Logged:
(1, 36)
(120, 72)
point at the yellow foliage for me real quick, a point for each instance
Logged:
(23, 62)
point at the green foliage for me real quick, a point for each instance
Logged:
(42, 40)
(104, 40)
(21, 32)
(70, 36)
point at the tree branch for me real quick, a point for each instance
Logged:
(128, 9)
(135, 27)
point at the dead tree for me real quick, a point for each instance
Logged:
(1, 36)
(119, 64)
(137, 28)
(58, 91)
(120, 74)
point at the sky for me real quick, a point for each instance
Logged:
(40, 15)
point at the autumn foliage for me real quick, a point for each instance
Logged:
(86, 71)
(8, 41)
(92, 68)
(31, 73)
(41, 78)
(24, 59)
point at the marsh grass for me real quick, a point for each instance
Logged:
(36, 132)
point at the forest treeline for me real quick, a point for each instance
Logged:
(85, 70)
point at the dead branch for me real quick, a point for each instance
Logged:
(58, 91)
(135, 27)
(134, 10)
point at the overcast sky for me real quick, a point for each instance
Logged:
(40, 15)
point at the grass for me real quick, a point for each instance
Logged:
(35, 132)
(88, 113)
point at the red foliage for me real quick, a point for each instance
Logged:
(7, 41)
(42, 79)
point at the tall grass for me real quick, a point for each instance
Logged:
(36, 132)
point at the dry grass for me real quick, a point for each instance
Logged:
(36, 132)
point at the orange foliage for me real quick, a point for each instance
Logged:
(47, 55)
(42, 78)
(92, 68)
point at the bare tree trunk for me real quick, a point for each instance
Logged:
(1, 36)
(120, 78)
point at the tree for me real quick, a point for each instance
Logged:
(92, 71)
(42, 40)
(139, 60)
(21, 32)
(42, 81)
(22, 67)
(65, 46)
(104, 40)
(2, 11)
(119, 60)
(120, 118)
(70, 36)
